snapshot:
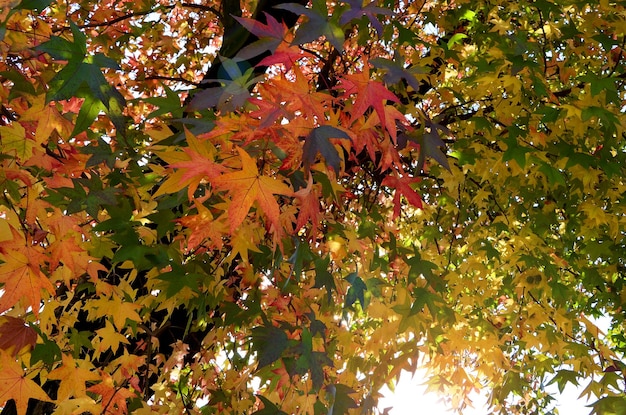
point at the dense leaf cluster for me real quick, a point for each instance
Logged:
(349, 190)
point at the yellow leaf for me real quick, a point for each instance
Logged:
(110, 338)
(14, 142)
(73, 376)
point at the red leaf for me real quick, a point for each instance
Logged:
(369, 93)
(15, 335)
(401, 184)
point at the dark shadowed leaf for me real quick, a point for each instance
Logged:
(318, 141)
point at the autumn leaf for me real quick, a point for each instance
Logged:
(309, 205)
(15, 335)
(15, 385)
(48, 120)
(5, 8)
(73, 376)
(203, 228)
(246, 187)
(22, 279)
(270, 34)
(165, 208)
(402, 186)
(368, 93)
(114, 397)
(200, 165)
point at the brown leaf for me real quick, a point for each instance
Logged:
(15, 335)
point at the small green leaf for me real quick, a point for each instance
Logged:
(356, 291)
(323, 278)
(563, 377)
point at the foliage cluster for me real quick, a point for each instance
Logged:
(349, 190)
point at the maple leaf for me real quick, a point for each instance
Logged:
(369, 93)
(371, 11)
(203, 226)
(48, 119)
(248, 186)
(73, 376)
(317, 24)
(110, 338)
(113, 397)
(299, 95)
(200, 166)
(20, 274)
(270, 35)
(430, 143)
(318, 141)
(309, 205)
(15, 385)
(401, 184)
(286, 54)
(16, 335)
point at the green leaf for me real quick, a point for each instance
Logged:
(553, 175)
(81, 77)
(609, 405)
(515, 152)
(299, 259)
(457, 38)
(37, 5)
(323, 278)
(608, 119)
(563, 377)
(47, 352)
(20, 83)
(87, 114)
(269, 342)
(60, 49)
(424, 297)
(420, 267)
(342, 401)
(319, 360)
(177, 279)
(170, 103)
(356, 291)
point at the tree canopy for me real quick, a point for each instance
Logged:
(274, 207)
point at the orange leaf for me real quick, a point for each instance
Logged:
(15, 335)
(247, 186)
(48, 119)
(309, 205)
(203, 226)
(20, 274)
(14, 385)
(113, 398)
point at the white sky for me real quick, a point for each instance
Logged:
(410, 398)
